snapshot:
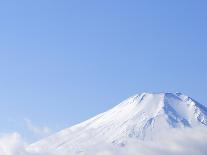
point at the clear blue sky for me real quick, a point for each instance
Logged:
(64, 61)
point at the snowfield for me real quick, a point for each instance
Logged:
(144, 124)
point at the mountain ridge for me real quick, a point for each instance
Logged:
(139, 117)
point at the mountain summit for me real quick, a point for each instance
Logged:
(139, 117)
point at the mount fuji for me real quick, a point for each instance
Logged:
(140, 117)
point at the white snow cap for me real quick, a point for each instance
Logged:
(140, 117)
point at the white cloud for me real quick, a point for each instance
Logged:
(39, 131)
(184, 142)
(173, 142)
(12, 144)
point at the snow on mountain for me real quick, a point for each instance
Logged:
(140, 117)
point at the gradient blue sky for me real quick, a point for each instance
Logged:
(64, 61)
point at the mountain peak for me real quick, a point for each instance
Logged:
(165, 94)
(138, 117)
(178, 109)
(162, 98)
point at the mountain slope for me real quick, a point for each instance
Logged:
(139, 117)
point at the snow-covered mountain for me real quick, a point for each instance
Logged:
(139, 117)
